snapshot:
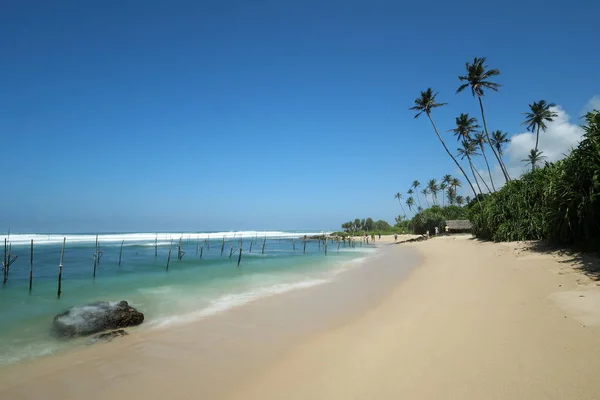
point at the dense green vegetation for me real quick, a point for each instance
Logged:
(559, 202)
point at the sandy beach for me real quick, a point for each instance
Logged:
(472, 320)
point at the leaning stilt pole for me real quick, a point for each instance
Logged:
(222, 246)
(121, 252)
(169, 256)
(60, 268)
(239, 257)
(294, 244)
(31, 267)
(96, 257)
(304, 250)
(230, 251)
(264, 243)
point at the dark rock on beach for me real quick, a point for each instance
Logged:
(96, 317)
(108, 336)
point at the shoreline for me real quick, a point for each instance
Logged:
(472, 320)
(232, 345)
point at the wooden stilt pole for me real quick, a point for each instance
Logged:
(239, 257)
(304, 251)
(121, 252)
(169, 256)
(31, 267)
(222, 246)
(294, 244)
(60, 268)
(264, 243)
(96, 256)
(230, 251)
(156, 245)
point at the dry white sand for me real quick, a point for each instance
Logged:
(475, 321)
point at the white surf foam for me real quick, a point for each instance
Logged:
(149, 238)
(234, 300)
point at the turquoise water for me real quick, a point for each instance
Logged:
(201, 284)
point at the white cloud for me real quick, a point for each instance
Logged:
(593, 104)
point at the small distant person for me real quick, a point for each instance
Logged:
(380, 236)
(395, 237)
(437, 230)
(446, 228)
(427, 233)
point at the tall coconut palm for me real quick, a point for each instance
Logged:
(460, 200)
(533, 158)
(447, 181)
(499, 139)
(477, 78)
(410, 202)
(536, 119)
(425, 192)
(443, 186)
(455, 183)
(465, 126)
(479, 139)
(467, 151)
(399, 197)
(433, 189)
(425, 103)
(415, 185)
(451, 194)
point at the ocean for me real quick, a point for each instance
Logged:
(205, 282)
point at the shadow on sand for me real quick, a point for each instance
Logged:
(581, 258)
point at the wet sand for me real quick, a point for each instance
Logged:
(211, 357)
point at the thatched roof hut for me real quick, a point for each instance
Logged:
(459, 225)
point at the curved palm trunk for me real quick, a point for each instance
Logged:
(483, 180)
(537, 138)
(451, 156)
(402, 206)
(418, 198)
(427, 200)
(474, 176)
(487, 135)
(488, 167)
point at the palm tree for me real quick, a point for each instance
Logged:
(466, 151)
(415, 186)
(447, 181)
(455, 183)
(451, 194)
(425, 104)
(465, 126)
(425, 192)
(460, 201)
(467, 199)
(499, 138)
(477, 78)
(399, 197)
(533, 158)
(536, 119)
(443, 186)
(410, 202)
(433, 189)
(480, 141)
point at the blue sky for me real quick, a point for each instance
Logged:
(202, 115)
